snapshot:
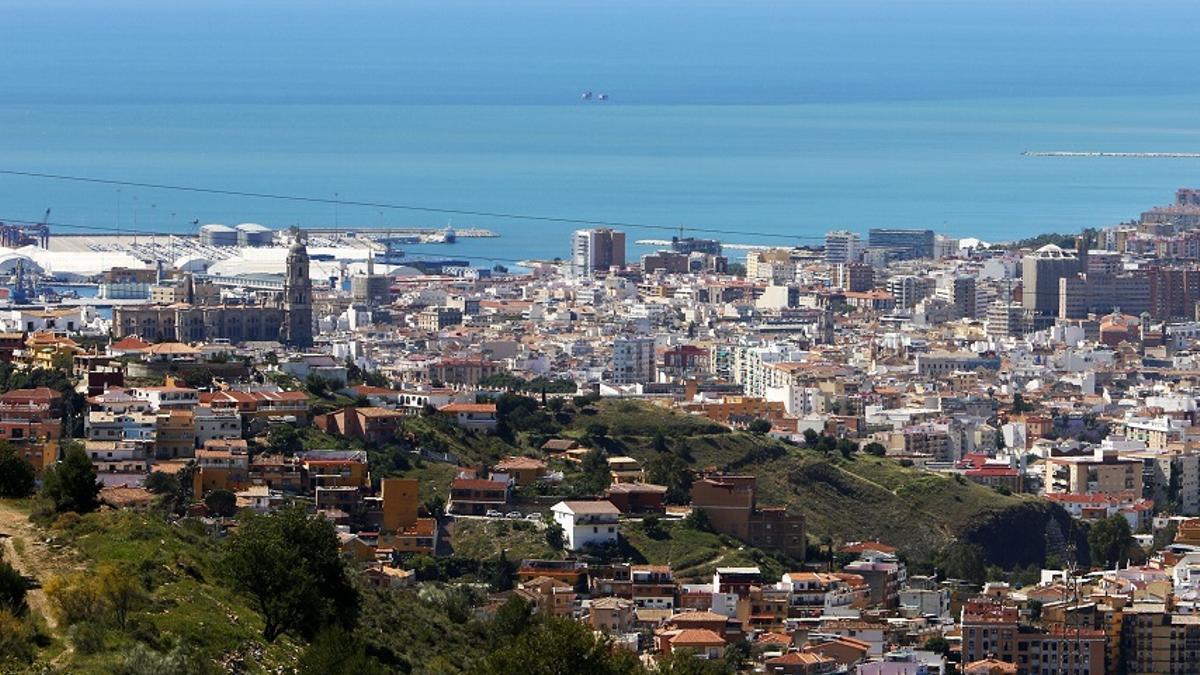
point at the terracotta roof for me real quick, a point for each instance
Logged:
(469, 408)
(799, 659)
(697, 636)
(131, 343)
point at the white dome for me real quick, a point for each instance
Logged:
(9, 261)
(193, 263)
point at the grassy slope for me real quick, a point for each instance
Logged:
(845, 499)
(188, 603)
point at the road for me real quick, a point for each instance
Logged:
(28, 553)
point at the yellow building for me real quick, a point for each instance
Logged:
(399, 503)
(1102, 472)
(175, 434)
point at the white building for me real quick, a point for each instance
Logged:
(842, 247)
(586, 523)
(633, 360)
(596, 249)
(213, 425)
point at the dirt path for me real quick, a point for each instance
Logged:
(25, 550)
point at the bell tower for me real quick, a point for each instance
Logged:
(297, 295)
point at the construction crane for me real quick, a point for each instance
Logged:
(43, 230)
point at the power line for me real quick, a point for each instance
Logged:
(384, 205)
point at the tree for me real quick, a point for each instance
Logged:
(596, 474)
(221, 503)
(512, 619)
(284, 439)
(810, 438)
(875, 449)
(16, 642)
(684, 662)
(336, 651)
(698, 520)
(71, 484)
(670, 470)
(760, 426)
(962, 560)
(290, 564)
(555, 537)
(119, 590)
(560, 646)
(1109, 540)
(163, 484)
(16, 474)
(317, 385)
(938, 645)
(13, 588)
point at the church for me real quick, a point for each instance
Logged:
(197, 318)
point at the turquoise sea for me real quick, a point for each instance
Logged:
(764, 118)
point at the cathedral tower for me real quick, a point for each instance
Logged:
(297, 296)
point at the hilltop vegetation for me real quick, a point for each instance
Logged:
(842, 498)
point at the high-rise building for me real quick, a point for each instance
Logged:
(1040, 274)
(855, 277)
(963, 294)
(906, 244)
(596, 250)
(909, 289)
(297, 296)
(633, 360)
(842, 247)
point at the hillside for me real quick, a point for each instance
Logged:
(845, 499)
(182, 609)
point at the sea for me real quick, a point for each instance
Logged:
(755, 122)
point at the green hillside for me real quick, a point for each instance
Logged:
(845, 499)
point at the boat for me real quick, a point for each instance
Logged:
(587, 95)
(602, 97)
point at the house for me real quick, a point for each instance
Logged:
(844, 651)
(27, 414)
(368, 424)
(523, 470)
(557, 446)
(175, 433)
(800, 663)
(625, 470)
(259, 499)
(323, 366)
(289, 406)
(637, 497)
(548, 596)
(331, 468)
(473, 416)
(586, 523)
(612, 615)
(475, 496)
(169, 396)
(702, 643)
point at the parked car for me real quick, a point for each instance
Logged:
(535, 517)
(514, 514)
(494, 514)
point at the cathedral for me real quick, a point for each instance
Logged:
(197, 318)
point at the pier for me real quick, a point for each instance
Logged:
(1134, 155)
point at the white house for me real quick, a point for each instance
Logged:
(585, 523)
(474, 416)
